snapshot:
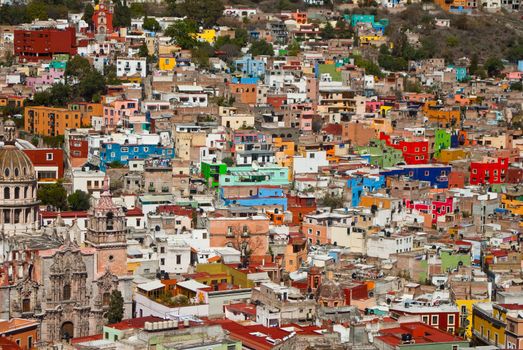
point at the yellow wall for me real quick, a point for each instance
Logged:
(448, 155)
(468, 304)
(208, 35)
(166, 63)
(479, 321)
(514, 206)
(238, 278)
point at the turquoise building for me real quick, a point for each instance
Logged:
(255, 176)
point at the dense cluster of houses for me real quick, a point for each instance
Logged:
(263, 202)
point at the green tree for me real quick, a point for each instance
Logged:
(37, 10)
(92, 84)
(204, 12)
(181, 33)
(228, 160)
(88, 14)
(516, 86)
(151, 24)
(293, 49)
(473, 68)
(122, 15)
(241, 36)
(261, 47)
(332, 201)
(143, 51)
(54, 195)
(56, 96)
(137, 10)
(328, 32)
(115, 312)
(201, 53)
(13, 14)
(79, 200)
(494, 66)
(76, 68)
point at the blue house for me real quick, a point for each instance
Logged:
(243, 80)
(115, 152)
(249, 66)
(358, 184)
(436, 174)
(263, 197)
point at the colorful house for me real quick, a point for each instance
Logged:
(379, 154)
(436, 174)
(212, 171)
(359, 184)
(115, 152)
(166, 62)
(491, 170)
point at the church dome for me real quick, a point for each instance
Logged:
(15, 165)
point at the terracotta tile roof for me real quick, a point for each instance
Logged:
(135, 323)
(16, 324)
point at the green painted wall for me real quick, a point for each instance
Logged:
(450, 260)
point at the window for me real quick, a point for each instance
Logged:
(426, 173)
(434, 320)
(425, 319)
(67, 292)
(49, 156)
(162, 250)
(162, 261)
(178, 259)
(26, 305)
(451, 320)
(29, 342)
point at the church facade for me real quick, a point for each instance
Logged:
(47, 274)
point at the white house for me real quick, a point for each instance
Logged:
(131, 67)
(384, 244)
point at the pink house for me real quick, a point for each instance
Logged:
(373, 106)
(306, 121)
(515, 75)
(436, 208)
(120, 110)
(47, 78)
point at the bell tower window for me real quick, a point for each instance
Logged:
(110, 221)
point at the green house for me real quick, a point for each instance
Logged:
(255, 176)
(442, 140)
(379, 154)
(212, 171)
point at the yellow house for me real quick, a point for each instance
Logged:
(465, 311)
(166, 62)
(449, 155)
(512, 203)
(208, 35)
(370, 39)
(489, 321)
(284, 154)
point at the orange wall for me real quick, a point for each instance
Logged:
(37, 120)
(244, 93)
(257, 239)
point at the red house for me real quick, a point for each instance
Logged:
(414, 152)
(300, 206)
(436, 208)
(48, 163)
(492, 171)
(441, 316)
(34, 45)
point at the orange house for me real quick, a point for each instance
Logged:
(244, 93)
(248, 235)
(21, 331)
(442, 116)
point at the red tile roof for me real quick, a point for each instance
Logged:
(135, 323)
(86, 338)
(420, 332)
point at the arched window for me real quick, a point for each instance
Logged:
(17, 172)
(7, 193)
(7, 172)
(110, 222)
(67, 292)
(26, 192)
(17, 192)
(106, 299)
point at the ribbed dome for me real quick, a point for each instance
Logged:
(15, 165)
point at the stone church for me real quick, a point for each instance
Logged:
(47, 274)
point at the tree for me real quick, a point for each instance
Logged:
(37, 10)
(332, 201)
(516, 86)
(151, 24)
(88, 14)
(137, 10)
(241, 36)
(293, 49)
(115, 312)
(54, 195)
(204, 12)
(122, 15)
(200, 54)
(328, 32)
(143, 51)
(473, 68)
(79, 200)
(91, 85)
(56, 96)
(228, 160)
(76, 68)
(181, 33)
(261, 47)
(494, 66)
